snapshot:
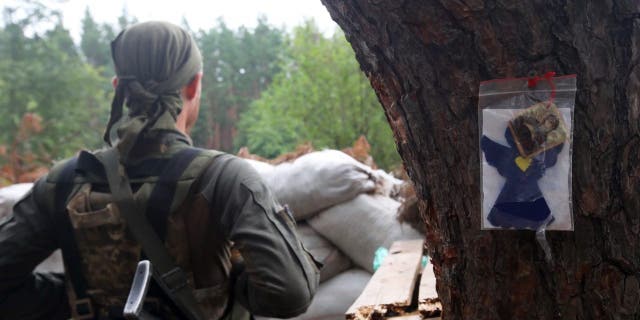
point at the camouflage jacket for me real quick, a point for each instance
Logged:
(227, 206)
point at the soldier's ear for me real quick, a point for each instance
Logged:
(114, 81)
(192, 90)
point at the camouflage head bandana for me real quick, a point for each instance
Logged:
(153, 61)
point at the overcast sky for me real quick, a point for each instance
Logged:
(201, 14)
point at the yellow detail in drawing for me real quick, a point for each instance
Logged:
(523, 163)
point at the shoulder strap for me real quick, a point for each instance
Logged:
(68, 244)
(167, 274)
(159, 203)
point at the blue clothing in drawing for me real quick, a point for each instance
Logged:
(520, 204)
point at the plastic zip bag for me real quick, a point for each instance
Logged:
(525, 148)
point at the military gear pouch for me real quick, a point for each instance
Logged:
(525, 151)
(99, 229)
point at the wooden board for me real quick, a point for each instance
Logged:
(428, 301)
(391, 288)
(413, 316)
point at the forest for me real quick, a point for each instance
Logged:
(265, 88)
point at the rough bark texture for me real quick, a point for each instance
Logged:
(425, 59)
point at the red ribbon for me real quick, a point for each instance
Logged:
(533, 82)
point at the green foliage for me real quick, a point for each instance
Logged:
(238, 66)
(286, 89)
(125, 20)
(43, 73)
(95, 42)
(319, 96)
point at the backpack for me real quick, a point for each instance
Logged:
(101, 243)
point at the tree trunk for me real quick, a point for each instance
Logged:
(425, 60)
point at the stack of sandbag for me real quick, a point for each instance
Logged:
(319, 180)
(345, 211)
(361, 225)
(343, 200)
(8, 197)
(333, 260)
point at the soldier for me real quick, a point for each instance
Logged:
(221, 245)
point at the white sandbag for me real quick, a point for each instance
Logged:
(52, 264)
(359, 226)
(335, 296)
(333, 260)
(318, 180)
(10, 195)
(386, 184)
(265, 170)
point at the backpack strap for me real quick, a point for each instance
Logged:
(159, 203)
(171, 278)
(83, 307)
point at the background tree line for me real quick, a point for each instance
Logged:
(264, 88)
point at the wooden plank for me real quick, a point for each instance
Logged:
(391, 288)
(412, 316)
(428, 284)
(428, 301)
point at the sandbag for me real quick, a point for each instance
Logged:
(265, 170)
(335, 296)
(10, 195)
(333, 260)
(53, 263)
(318, 180)
(386, 184)
(359, 226)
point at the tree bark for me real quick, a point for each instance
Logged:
(425, 60)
